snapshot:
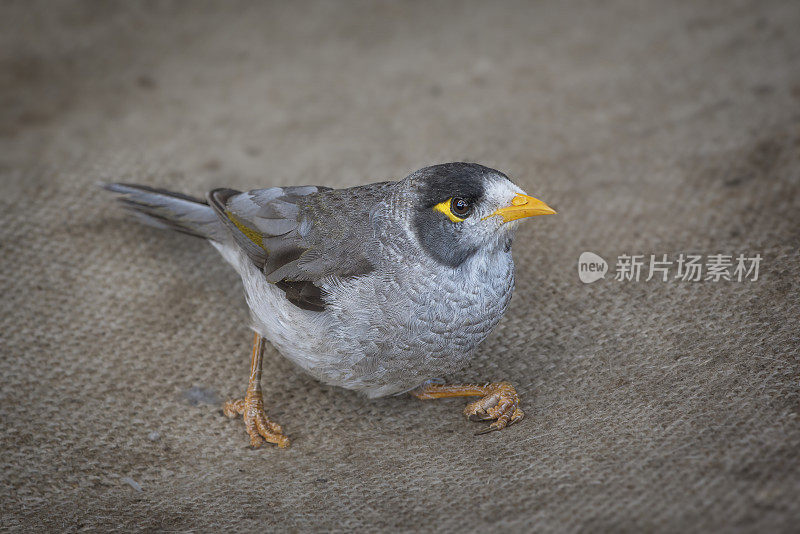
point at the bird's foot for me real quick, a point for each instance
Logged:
(499, 402)
(258, 425)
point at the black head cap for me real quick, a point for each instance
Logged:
(440, 182)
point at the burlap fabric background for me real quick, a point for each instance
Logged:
(651, 128)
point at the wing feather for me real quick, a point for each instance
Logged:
(299, 235)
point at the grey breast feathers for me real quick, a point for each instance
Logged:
(300, 235)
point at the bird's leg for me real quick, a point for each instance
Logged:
(500, 401)
(251, 407)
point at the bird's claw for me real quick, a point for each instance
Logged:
(500, 403)
(257, 423)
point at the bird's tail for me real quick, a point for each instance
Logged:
(168, 210)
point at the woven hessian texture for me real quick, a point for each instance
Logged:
(651, 406)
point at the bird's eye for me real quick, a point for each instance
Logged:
(456, 209)
(460, 207)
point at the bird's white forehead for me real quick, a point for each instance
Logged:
(499, 191)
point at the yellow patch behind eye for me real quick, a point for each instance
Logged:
(444, 207)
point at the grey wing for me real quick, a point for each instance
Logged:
(299, 235)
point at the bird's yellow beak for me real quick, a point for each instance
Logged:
(523, 206)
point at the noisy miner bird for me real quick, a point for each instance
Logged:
(378, 288)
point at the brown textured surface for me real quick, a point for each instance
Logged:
(650, 128)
